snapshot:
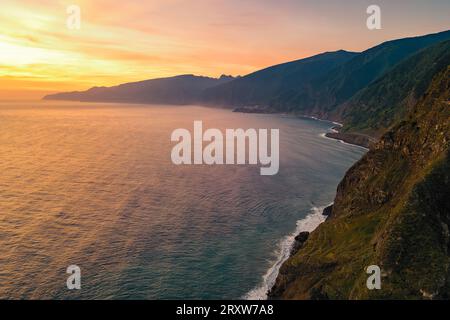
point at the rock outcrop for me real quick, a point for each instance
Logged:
(392, 209)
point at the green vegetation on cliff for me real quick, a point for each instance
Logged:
(387, 100)
(326, 93)
(262, 87)
(392, 209)
(344, 86)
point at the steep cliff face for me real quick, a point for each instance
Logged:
(392, 209)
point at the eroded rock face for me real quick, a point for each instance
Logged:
(299, 241)
(328, 211)
(392, 209)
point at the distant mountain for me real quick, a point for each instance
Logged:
(260, 88)
(179, 90)
(392, 210)
(375, 108)
(366, 91)
(340, 84)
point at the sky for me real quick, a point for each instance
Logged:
(123, 41)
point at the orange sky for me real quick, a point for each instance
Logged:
(121, 41)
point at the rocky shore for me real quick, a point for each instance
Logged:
(351, 138)
(300, 241)
(391, 210)
(358, 139)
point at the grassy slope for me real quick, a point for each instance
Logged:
(388, 99)
(260, 87)
(392, 209)
(324, 94)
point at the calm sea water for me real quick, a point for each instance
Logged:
(93, 185)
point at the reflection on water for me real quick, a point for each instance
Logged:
(94, 185)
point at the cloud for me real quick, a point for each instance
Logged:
(134, 40)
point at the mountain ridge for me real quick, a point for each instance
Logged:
(376, 107)
(327, 86)
(392, 208)
(259, 87)
(327, 92)
(181, 89)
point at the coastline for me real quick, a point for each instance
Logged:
(356, 139)
(338, 137)
(292, 243)
(326, 212)
(287, 247)
(351, 138)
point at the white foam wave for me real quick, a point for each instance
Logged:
(309, 223)
(324, 135)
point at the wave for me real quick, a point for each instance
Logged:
(324, 135)
(323, 120)
(283, 252)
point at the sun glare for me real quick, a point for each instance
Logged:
(17, 55)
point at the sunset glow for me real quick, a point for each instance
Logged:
(134, 40)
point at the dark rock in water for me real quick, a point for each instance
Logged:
(299, 241)
(302, 237)
(328, 211)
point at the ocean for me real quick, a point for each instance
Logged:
(93, 185)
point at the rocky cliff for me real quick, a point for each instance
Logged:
(392, 209)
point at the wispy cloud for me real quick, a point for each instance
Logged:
(133, 40)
